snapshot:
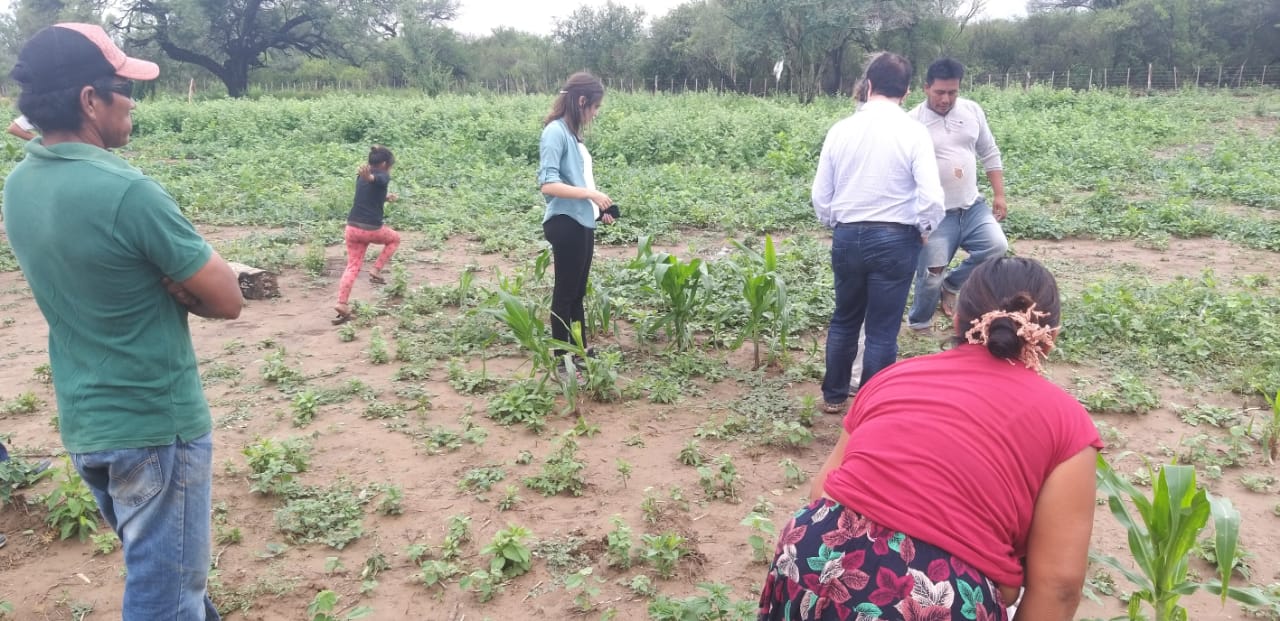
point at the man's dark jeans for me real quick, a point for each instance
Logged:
(873, 263)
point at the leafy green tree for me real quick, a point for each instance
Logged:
(29, 16)
(605, 40)
(815, 34)
(229, 38)
(506, 53)
(698, 40)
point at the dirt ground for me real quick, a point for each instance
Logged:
(45, 578)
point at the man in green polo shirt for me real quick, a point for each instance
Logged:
(116, 269)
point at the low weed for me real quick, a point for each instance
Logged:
(561, 472)
(17, 473)
(25, 403)
(105, 543)
(1125, 393)
(619, 544)
(324, 607)
(331, 515)
(483, 584)
(482, 479)
(624, 470)
(392, 500)
(1205, 413)
(720, 480)
(273, 464)
(691, 454)
(275, 369)
(72, 507)
(713, 604)
(761, 537)
(792, 473)
(509, 556)
(458, 532)
(1258, 483)
(586, 586)
(663, 552)
(510, 498)
(526, 402)
(377, 349)
(441, 439)
(305, 404)
(642, 586)
(437, 572)
(469, 382)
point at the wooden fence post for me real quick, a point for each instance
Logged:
(1175, 78)
(1263, 81)
(1240, 76)
(1104, 78)
(1068, 78)
(1149, 66)
(1052, 81)
(1006, 79)
(1126, 77)
(1197, 76)
(1219, 75)
(1090, 78)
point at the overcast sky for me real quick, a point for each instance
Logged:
(479, 17)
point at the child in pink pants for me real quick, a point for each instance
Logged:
(364, 226)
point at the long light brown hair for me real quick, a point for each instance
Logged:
(580, 86)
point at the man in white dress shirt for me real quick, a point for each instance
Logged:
(961, 137)
(877, 187)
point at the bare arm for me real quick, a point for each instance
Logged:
(999, 207)
(212, 292)
(833, 462)
(1058, 546)
(18, 131)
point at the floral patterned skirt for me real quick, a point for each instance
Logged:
(833, 564)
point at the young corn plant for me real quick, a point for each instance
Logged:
(1163, 535)
(680, 285)
(766, 297)
(522, 318)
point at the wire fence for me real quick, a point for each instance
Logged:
(1151, 77)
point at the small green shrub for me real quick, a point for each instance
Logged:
(273, 463)
(72, 507)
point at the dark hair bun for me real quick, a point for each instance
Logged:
(1003, 340)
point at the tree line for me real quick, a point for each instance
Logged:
(813, 46)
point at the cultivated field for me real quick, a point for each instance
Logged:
(414, 463)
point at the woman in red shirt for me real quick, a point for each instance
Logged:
(960, 478)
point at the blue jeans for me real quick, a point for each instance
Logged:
(976, 231)
(873, 263)
(158, 500)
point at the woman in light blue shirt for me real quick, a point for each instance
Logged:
(573, 202)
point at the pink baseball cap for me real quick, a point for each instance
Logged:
(69, 55)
